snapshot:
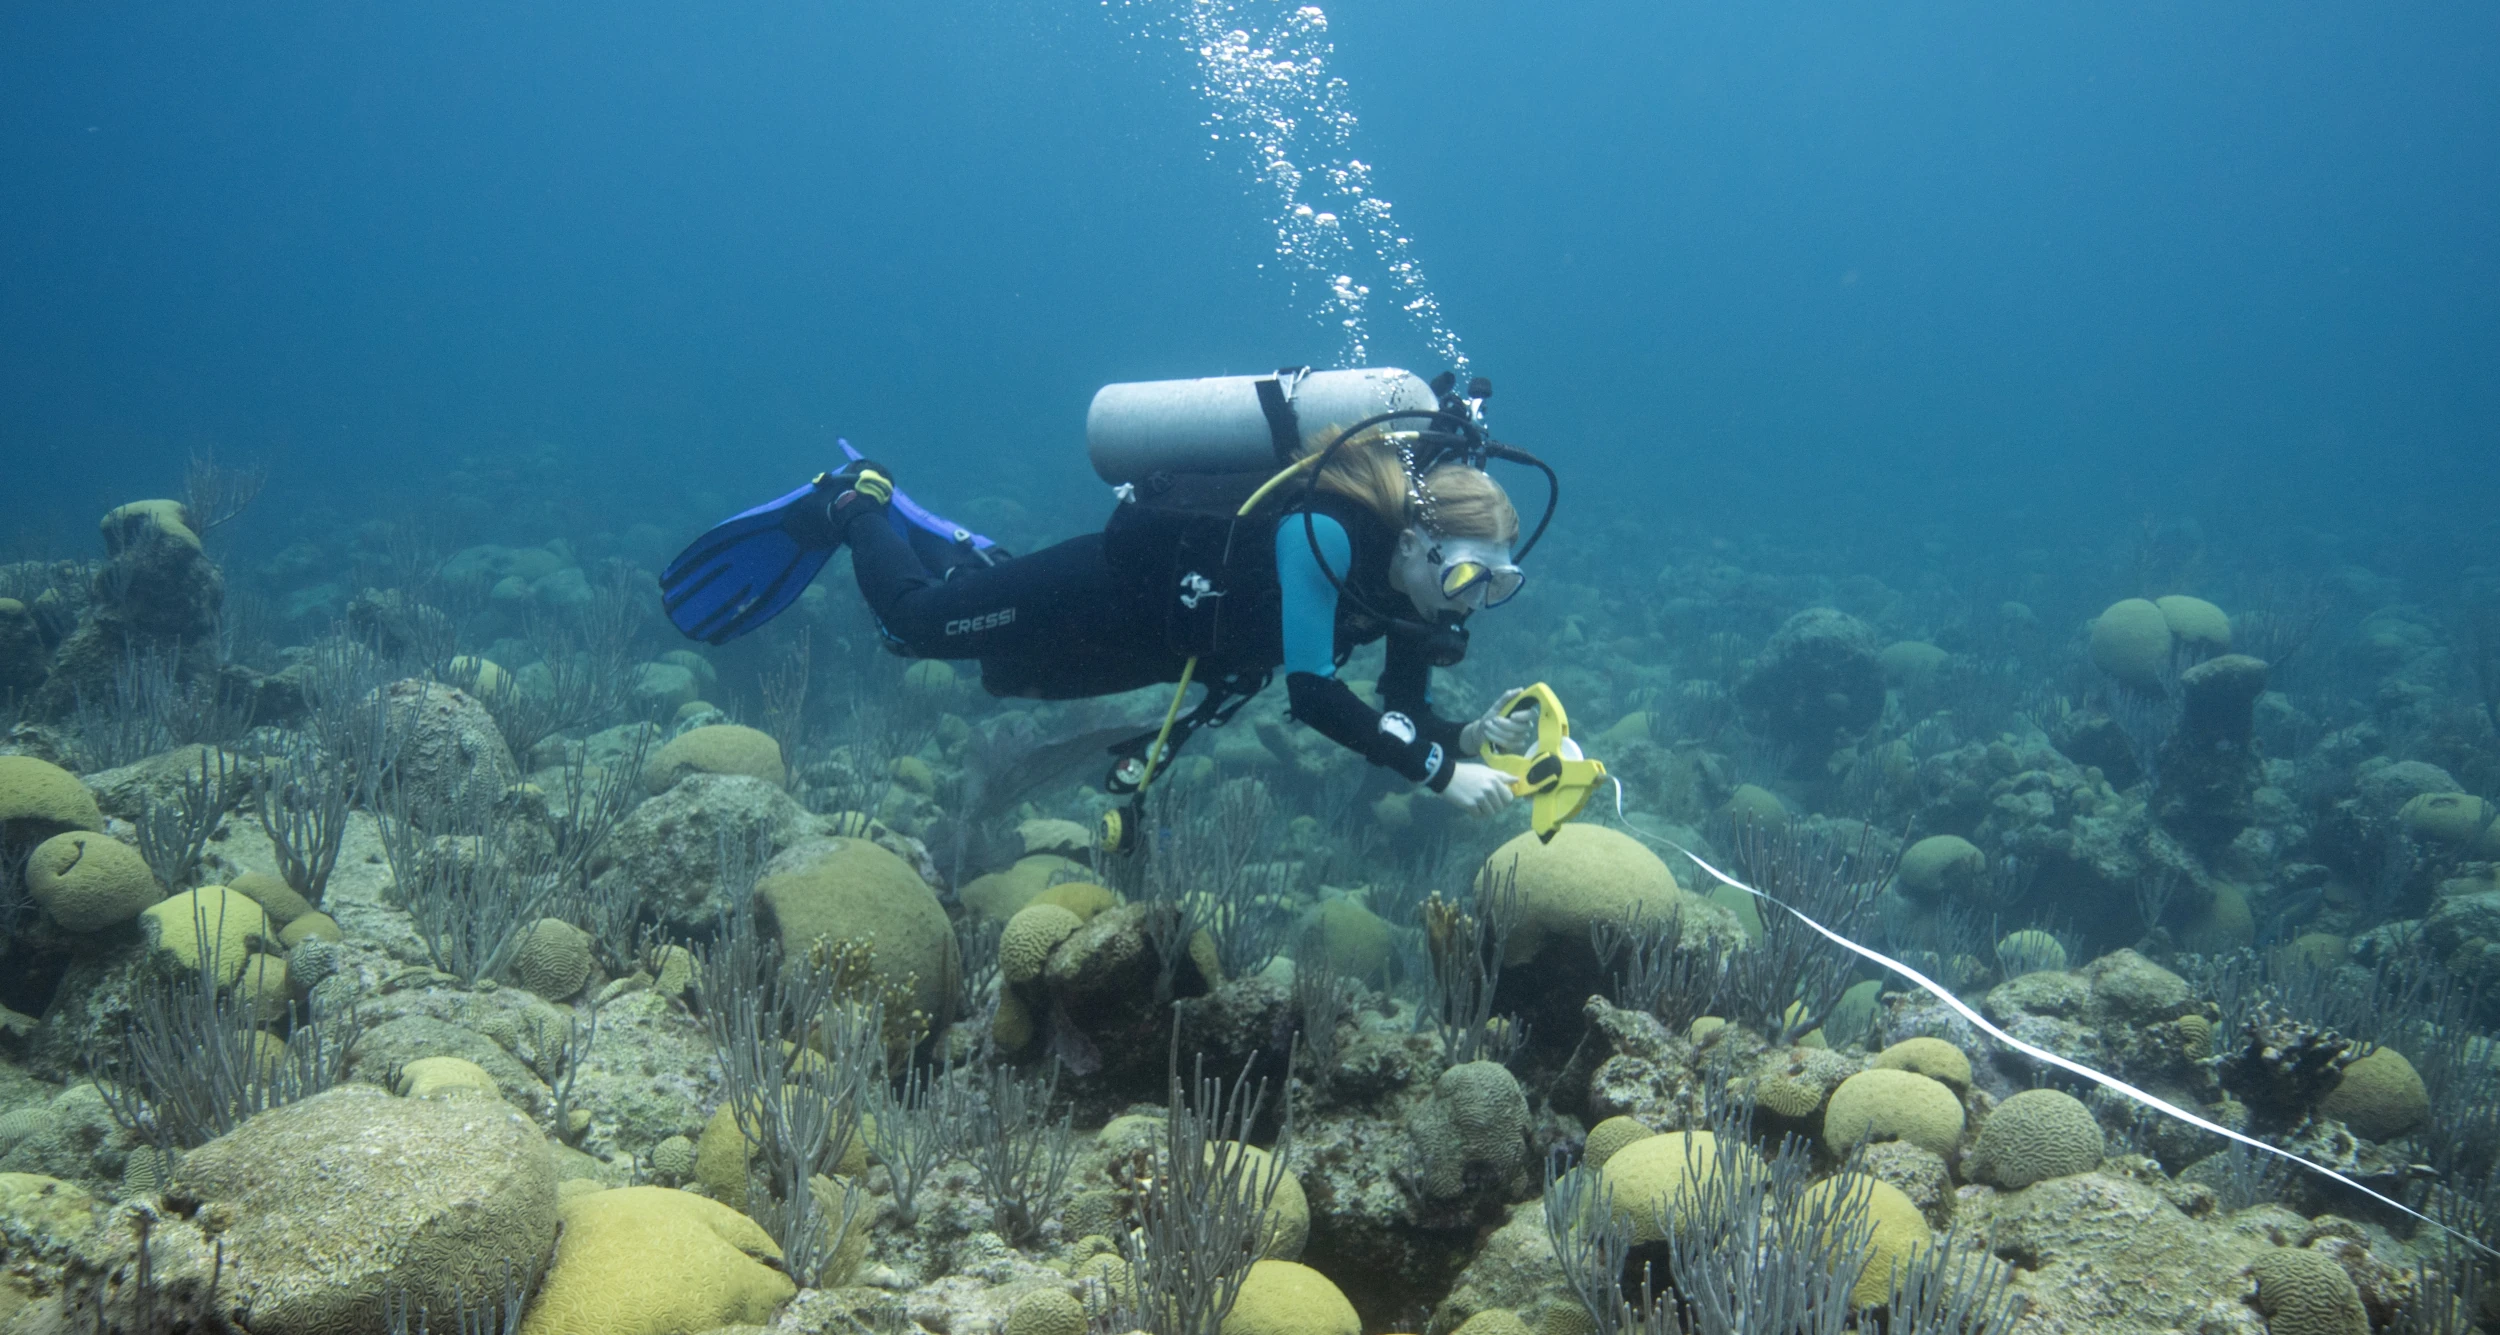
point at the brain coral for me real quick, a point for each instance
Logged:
(1786, 1096)
(1884, 1104)
(175, 927)
(2301, 1292)
(673, 1159)
(1286, 1298)
(1930, 1057)
(656, 1261)
(2380, 1097)
(1587, 874)
(1653, 1180)
(338, 1199)
(553, 960)
(2036, 1135)
(1487, 1110)
(722, 748)
(1046, 1312)
(2131, 642)
(38, 796)
(1900, 1233)
(88, 882)
(1024, 944)
(1609, 1136)
(1941, 865)
(1493, 1321)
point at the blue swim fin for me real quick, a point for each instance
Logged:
(751, 566)
(745, 571)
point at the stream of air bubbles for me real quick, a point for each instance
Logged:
(1262, 72)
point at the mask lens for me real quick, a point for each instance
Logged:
(1504, 583)
(1500, 583)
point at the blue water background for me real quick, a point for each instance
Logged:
(1976, 274)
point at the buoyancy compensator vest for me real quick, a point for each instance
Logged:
(1207, 469)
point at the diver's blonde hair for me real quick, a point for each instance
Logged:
(1463, 501)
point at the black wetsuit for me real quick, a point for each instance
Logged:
(1129, 606)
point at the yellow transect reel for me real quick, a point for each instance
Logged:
(1553, 775)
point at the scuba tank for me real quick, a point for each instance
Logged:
(1236, 423)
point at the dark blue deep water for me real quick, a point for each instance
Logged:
(1885, 271)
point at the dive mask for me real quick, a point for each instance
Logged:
(1458, 578)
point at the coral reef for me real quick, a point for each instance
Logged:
(481, 956)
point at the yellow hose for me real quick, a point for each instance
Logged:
(1154, 754)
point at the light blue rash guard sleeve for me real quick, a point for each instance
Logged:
(1310, 597)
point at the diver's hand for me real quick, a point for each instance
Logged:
(1478, 790)
(1507, 732)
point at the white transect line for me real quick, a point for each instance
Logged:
(2111, 1082)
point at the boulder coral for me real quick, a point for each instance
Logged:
(1817, 684)
(1654, 1180)
(1610, 1136)
(999, 894)
(446, 749)
(1941, 866)
(1931, 1057)
(1287, 1298)
(722, 748)
(853, 890)
(2456, 820)
(2131, 643)
(2379, 1097)
(445, 1078)
(2195, 624)
(666, 853)
(656, 1261)
(1897, 1232)
(336, 1201)
(1285, 1225)
(1885, 1104)
(1588, 874)
(39, 798)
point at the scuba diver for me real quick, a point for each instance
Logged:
(1264, 523)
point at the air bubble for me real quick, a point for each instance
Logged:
(1263, 76)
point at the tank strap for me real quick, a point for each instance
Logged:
(1284, 425)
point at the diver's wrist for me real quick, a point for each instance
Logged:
(1441, 762)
